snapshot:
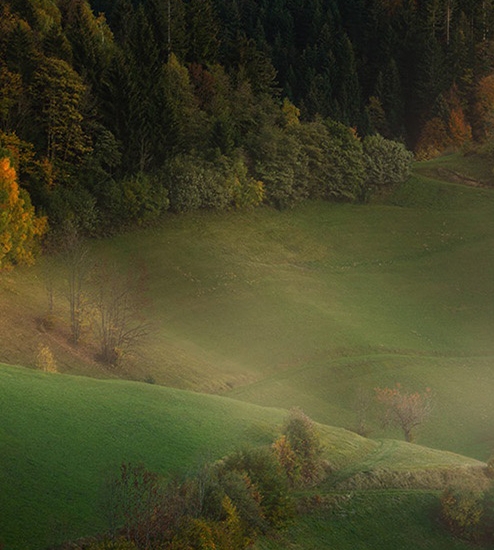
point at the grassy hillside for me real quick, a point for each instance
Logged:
(300, 307)
(384, 520)
(266, 309)
(62, 436)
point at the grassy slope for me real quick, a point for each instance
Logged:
(384, 520)
(62, 436)
(280, 309)
(299, 307)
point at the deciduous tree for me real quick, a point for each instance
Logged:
(118, 302)
(77, 266)
(405, 410)
(20, 228)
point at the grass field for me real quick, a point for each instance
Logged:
(279, 309)
(370, 520)
(62, 436)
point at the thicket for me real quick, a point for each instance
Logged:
(469, 514)
(224, 506)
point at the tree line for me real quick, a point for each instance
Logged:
(113, 112)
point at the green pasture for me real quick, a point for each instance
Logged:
(62, 437)
(304, 307)
(384, 520)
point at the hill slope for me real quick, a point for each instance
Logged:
(302, 306)
(62, 436)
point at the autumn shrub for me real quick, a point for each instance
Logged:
(243, 493)
(487, 522)
(201, 533)
(483, 108)
(267, 478)
(45, 360)
(386, 162)
(461, 512)
(299, 450)
(136, 506)
(433, 139)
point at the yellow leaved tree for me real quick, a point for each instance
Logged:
(20, 228)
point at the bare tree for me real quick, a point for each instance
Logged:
(118, 299)
(78, 265)
(405, 410)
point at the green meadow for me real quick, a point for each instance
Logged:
(63, 437)
(252, 313)
(359, 521)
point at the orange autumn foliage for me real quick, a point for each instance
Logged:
(450, 130)
(20, 228)
(433, 140)
(459, 129)
(484, 106)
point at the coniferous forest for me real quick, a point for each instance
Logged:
(113, 111)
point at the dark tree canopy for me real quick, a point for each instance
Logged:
(106, 92)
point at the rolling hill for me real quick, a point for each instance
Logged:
(62, 437)
(253, 313)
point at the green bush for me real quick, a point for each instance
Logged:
(387, 162)
(194, 183)
(461, 512)
(137, 200)
(268, 479)
(75, 205)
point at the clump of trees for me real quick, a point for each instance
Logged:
(116, 116)
(118, 110)
(224, 506)
(104, 301)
